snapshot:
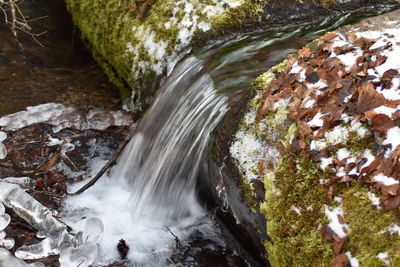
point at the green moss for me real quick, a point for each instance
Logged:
(369, 235)
(357, 145)
(247, 195)
(295, 237)
(290, 135)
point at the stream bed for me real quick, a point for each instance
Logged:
(149, 198)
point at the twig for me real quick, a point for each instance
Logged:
(18, 21)
(177, 242)
(109, 164)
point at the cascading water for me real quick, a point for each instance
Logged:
(161, 162)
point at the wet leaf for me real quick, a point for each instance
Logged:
(392, 190)
(327, 234)
(313, 77)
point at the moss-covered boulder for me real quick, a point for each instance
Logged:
(137, 42)
(318, 150)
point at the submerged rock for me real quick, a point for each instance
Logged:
(321, 135)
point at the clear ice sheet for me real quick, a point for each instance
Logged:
(8, 260)
(82, 256)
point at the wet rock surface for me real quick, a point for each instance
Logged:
(61, 71)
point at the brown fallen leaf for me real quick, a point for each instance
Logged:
(264, 108)
(369, 98)
(371, 167)
(133, 7)
(338, 246)
(392, 190)
(381, 122)
(327, 233)
(329, 36)
(306, 51)
(389, 74)
(341, 260)
(352, 36)
(391, 203)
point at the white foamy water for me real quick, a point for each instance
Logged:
(153, 184)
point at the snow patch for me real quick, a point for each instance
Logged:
(333, 215)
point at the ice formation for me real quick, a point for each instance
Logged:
(41, 218)
(3, 150)
(8, 260)
(5, 219)
(62, 117)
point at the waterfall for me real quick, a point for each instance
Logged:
(153, 183)
(161, 161)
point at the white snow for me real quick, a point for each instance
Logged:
(370, 158)
(393, 138)
(393, 93)
(149, 51)
(386, 110)
(296, 210)
(296, 68)
(385, 180)
(316, 120)
(343, 153)
(325, 162)
(395, 229)
(308, 103)
(353, 260)
(334, 224)
(374, 199)
(383, 256)
(247, 150)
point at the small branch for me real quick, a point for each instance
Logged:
(18, 21)
(177, 242)
(109, 164)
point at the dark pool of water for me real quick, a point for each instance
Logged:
(62, 71)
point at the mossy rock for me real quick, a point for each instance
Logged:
(136, 48)
(300, 191)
